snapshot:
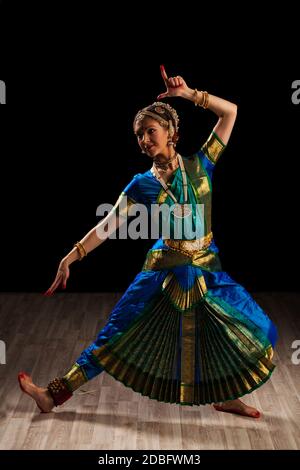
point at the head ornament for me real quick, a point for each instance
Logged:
(161, 112)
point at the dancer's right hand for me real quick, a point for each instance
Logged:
(176, 86)
(61, 277)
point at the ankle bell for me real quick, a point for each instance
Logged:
(59, 391)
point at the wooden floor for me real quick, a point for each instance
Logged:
(44, 336)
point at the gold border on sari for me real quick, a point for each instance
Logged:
(184, 299)
(213, 148)
(189, 247)
(201, 186)
(187, 358)
(157, 260)
(120, 207)
(75, 377)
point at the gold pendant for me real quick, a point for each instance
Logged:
(181, 211)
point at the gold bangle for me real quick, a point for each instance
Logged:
(205, 101)
(81, 250)
(196, 95)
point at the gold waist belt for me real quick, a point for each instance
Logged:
(190, 247)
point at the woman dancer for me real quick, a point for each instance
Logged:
(184, 331)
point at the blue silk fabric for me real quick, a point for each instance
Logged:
(184, 331)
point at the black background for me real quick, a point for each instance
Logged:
(67, 146)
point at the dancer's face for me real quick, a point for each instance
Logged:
(152, 137)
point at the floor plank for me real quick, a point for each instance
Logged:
(45, 335)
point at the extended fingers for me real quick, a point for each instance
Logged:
(163, 95)
(173, 81)
(48, 292)
(63, 279)
(54, 286)
(163, 73)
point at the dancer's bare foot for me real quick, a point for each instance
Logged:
(237, 407)
(40, 395)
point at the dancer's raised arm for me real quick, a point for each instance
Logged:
(225, 110)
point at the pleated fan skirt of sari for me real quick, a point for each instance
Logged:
(185, 335)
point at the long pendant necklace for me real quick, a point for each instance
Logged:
(180, 210)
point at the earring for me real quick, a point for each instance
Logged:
(171, 133)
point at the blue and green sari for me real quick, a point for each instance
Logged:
(184, 331)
